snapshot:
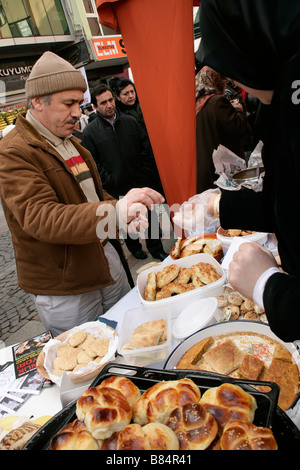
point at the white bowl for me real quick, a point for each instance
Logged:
(259, 237)
(178, 303)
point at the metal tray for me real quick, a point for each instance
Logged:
(268, 414)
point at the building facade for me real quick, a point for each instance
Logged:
(69, 28)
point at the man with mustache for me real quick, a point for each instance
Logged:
(54, 204)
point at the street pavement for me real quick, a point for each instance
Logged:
(19, 319)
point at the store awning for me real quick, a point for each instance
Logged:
(159, 41)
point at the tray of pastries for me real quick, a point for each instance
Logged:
(135, 408)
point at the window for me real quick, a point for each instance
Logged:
(25, 18)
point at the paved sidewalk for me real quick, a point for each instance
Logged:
(19, 319)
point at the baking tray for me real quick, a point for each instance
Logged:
(268, 414)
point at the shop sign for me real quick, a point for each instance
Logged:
(109, 47)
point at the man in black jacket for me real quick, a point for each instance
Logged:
(121, 150)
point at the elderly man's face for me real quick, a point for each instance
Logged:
(61, 113)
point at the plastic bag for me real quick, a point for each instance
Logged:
(196, 215)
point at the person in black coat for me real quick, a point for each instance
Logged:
(122, 153)
(256, 43)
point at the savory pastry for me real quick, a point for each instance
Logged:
(251, 367)
(171, 289)
(242, 435)
(74, 436)
(195, 427)
(167, 275)
(148, 334)
(227, 402)
(150, 289)
(104, 411)
(158, 401)
(194, 354)
(17, 438)
(224, 358)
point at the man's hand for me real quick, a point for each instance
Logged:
(133, 207)
(249, 262)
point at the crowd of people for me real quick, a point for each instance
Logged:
(56, 189)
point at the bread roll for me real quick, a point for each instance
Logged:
(227, 402)
(104, 411)
(195, 427)
(74, 436)
(130, 391)
(152, 436)
(158, 401)
(242, 435)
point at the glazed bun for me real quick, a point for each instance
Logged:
(104, 411)
(74, 436)
(195, 427)
(152, 436)
(242, 435)
(227, 402)
(130, 391)
(158, 401)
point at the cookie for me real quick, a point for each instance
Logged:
(65, 363)
(98, 347)
(77, 338)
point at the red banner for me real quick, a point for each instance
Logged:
(159, 41)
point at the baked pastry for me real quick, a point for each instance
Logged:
(171, 289)
(130, 391)
(74, 436)
(167, 275)
(17, 438)
(158, 401)
(104, 411)
(286, 375)
(148, 334)
(251, 367)
(195, 427)
(242, 435)
(227, 402)
(224, 358)
(150, 289)
(152, 436)
(205, 272)
(194, 354)
(77, 338)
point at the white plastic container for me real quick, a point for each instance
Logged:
(144, 356)
(259, 237)
(179, 302)
(196, 316)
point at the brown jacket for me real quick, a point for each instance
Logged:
(53, 227)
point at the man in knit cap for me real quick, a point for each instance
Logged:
(57, 211)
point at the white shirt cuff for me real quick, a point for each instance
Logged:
(260, 285)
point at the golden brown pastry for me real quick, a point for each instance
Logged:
(130, 391)
(77, 338)
(17, 438)
(152, 436)
(195, 427)
(148, 334)
(158, 401)
(242, 435)
(104, 411)
(150, 289)
(227, 402)
(167, 275)
(224, 358)
(251, 368)
(286, 375)
(194, 354)
(74, 436)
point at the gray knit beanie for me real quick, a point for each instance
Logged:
(52, 74)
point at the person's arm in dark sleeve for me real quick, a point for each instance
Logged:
(280, 298)
(105, 175)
